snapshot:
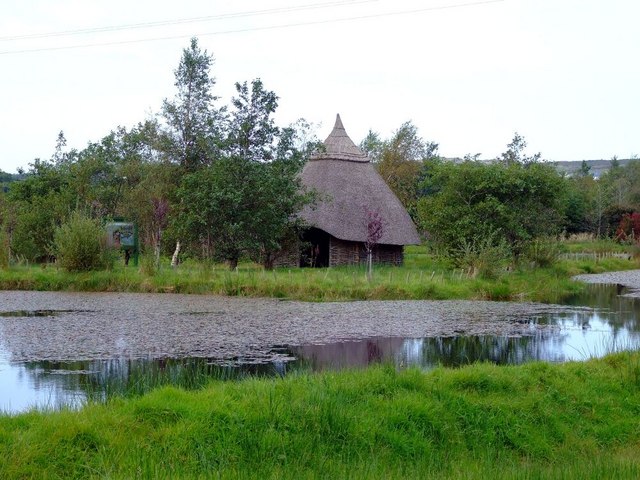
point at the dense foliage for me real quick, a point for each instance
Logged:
(485, 214)
(476, 202)
(222, 182)
(598, 205)
(399, 160)
(79, 244)
(244, 202)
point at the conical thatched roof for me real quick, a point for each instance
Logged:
(339, 146)
(349, 185)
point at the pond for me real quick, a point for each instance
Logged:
(59, 349)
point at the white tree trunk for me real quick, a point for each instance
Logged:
(176, 253)
(157, 248)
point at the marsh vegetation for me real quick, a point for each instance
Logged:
(424, 276)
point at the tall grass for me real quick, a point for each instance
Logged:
(422, 277)
(576, 420)
(589, 244)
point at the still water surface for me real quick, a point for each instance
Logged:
(610, 321)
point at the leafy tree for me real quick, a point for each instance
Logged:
(515, 152)
(59, 154)
(253, 131)
(603, 201)
(196, 126)
(214, 207)
(43, 178)
(618, 183)
(146, 176)
(6, 178)
(157, 183)
(194, 123)
(302, 139)
(159, 223)
(275, 158)
(615, 163)
(401, 162)
(632, 174)
(471, 202)
(95, 177)
(372, 145)
(277, 199)
(629, 228)
(580, 206)
(612, 218)
(32, 232)
(245, 202)
(38, 203)
(585, 169)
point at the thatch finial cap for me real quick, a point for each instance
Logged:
(338, 146)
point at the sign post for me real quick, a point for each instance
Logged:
(124, 237)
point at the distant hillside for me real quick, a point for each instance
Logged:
(598, 167)
(7, 178)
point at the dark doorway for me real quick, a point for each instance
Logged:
(316, 251)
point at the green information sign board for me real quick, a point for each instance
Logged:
(124, 236)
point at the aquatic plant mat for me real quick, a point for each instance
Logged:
(574, 420)
(94, 326)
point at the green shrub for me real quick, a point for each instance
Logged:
(148, 266)
(32, 234)
(542, 252)
(80, 244)
(484, 257)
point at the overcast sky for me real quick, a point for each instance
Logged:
(565, 74)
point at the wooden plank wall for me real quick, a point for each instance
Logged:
(342, 252)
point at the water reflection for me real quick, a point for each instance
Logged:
(610, 323)
(53, 385)
(618, 311)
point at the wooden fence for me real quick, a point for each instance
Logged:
(594, 256)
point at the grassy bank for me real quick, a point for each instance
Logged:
(575, 420)
(422, 277)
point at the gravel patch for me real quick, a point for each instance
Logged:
(628, 278)
(90, 326)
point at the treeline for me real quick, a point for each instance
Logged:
(218, 181)
(484, 214)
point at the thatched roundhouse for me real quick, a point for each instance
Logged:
(349, 187)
